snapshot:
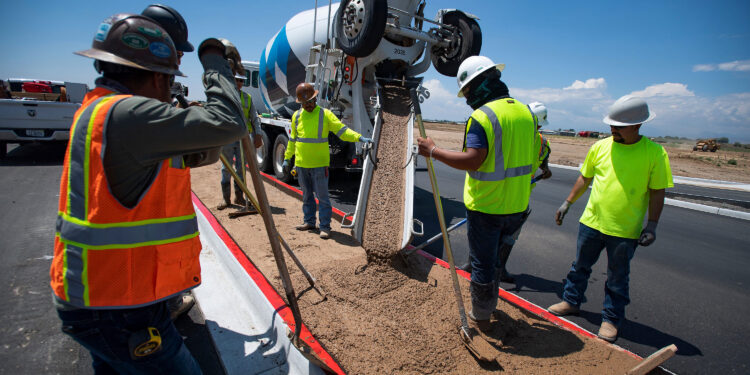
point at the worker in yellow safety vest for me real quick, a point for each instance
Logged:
(308, 145)
(498, 155)
(630, 174)
(126, 238)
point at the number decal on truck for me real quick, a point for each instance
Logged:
(399, 51)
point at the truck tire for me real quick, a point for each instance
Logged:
(277, 153)
(364, 27)
(262, 153)
(695, 148)
(446, 62)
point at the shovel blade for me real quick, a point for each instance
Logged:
(478, 346)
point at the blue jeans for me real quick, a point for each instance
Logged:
(616, 290)
(315, 180)
(105, 333)
(485, 233)
(232, 152)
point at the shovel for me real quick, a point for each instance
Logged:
(477, 345)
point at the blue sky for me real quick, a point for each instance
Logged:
(689, 59)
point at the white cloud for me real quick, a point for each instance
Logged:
(704, 68)
(738, 66)
(664, 89)
(591, 83)
(731, 66)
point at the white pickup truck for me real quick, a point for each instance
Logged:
(37, 111)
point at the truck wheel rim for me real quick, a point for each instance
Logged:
(279, 157)
(354, 18)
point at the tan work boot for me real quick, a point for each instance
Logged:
(305, 226)
(325, 234)
(563, 308)
(607, 331)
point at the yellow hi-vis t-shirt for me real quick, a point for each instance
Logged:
(623, 174)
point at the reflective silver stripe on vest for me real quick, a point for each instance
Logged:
(341, 131)
(311, 140)
(125, 235)
(500, 173)
(77, 158)
(74, 274)
(321, 113)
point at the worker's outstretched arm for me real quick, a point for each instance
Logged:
(469, 160)
(582, 183)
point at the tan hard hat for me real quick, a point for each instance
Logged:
(231, 52)
(306, 91)
(135, 41)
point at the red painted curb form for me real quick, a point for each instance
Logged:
(265, 287)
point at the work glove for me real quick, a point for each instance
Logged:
(560, 214)
(546, 173)
(365, 139)
(648, 234)
(285, 165)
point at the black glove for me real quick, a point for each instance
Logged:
(648, 234)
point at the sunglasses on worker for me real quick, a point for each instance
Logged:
(312, 99)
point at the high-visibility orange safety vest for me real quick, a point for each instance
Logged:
(110, 256)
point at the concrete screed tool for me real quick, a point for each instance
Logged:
(477, 345)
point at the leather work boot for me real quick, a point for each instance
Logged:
(182, 305)
(305, 226)
(607, 331)
(239, 200)
(563, 308)
(483, 300)
(226, 192)
(325, 234)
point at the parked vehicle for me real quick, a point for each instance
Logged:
(38, 111)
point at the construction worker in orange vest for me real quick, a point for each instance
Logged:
(126, 237)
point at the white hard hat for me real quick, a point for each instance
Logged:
(471, 68)
(540, 111)
(628, 110)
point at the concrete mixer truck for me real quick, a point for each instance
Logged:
(363, 57)
(343, 49)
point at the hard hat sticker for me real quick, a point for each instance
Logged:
(150, 32)
(102, 31)
(134, 41)
(159, 49)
